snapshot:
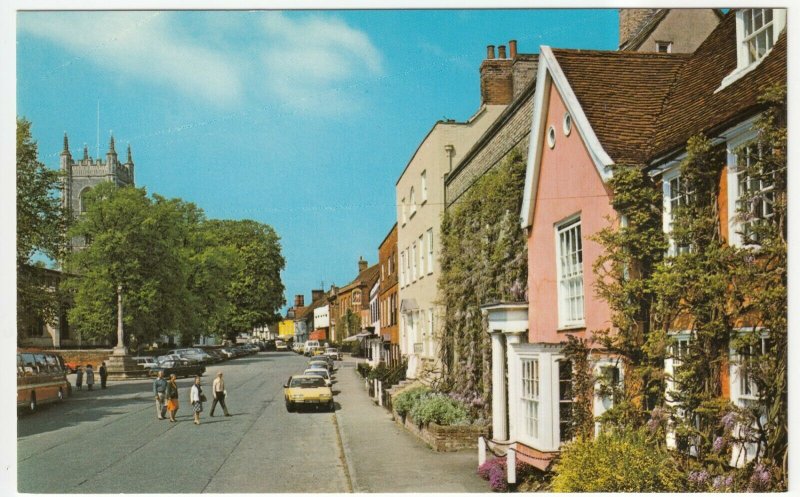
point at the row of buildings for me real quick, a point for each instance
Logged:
(574, 114)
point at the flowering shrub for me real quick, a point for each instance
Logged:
(440, 409)
(616, 461)
(407, 399)
(494, 470)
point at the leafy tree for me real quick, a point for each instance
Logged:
(135, 242)
(41, 227)
(255, 291)
(484, 259)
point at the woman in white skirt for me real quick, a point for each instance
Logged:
(196, 397)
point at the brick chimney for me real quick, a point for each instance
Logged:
(631, 21)
(497, 86)
(362, 264)
(299, 301)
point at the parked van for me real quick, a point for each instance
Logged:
(310, 346)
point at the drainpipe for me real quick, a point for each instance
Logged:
(450, 150)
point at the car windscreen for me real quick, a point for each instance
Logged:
(307, 383)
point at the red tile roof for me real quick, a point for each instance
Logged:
(693, 106)
(622, 94)
(644, 105)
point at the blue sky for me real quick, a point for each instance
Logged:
(302, 120)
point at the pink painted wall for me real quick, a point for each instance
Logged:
(569, 184)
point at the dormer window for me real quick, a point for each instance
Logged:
(664, 46)
(758, 36)
(757, 30)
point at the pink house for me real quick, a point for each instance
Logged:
(592, 109)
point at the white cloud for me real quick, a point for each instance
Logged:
(144, 45)
(315, 62)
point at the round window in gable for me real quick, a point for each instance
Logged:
(567, 124)
(551, 137)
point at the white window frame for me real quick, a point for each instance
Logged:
(570, 318)
(414, 261)
(404, 214)
(530, 398)
(739, 136)
(667, 44)
(430, 250)
(421, 257)
(424, 181)
(412, 200)
(402, 269)
(743, 64)
(669, 178)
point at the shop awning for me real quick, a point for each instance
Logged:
(360, 336)
(318, 335)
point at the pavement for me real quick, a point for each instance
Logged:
(383, 457)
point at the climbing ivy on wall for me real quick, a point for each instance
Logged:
(484, 260)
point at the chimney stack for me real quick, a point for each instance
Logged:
(512, 49)
(299, 301)
(316, 295)
(496, 78)
(501, 52)
(362, 264)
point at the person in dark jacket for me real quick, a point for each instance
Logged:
(103, 374)
(79, 378)
(160, 393)
(172, 397)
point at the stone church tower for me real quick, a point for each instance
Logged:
(85, 174)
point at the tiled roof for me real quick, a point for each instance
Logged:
(367, 277)
(622, 94)
(694, 107)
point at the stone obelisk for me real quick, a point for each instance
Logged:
(120, 365)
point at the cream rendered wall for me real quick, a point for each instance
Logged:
(433, 157)
(685, 28)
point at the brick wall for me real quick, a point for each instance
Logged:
(496, 82)
(514, 132)
(445, 438)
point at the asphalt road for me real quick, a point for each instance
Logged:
(109, 441)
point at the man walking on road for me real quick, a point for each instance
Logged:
(219, 393)
(159, 390)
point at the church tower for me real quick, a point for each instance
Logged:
(81, 176)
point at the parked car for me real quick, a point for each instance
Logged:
(146, 362)
(195, 355)
(321, 361)
(216, 355)
(310, 346)
(333, 353)
(228, 352)
(179, 367)
(321, 372)
(281, 346)
(307, 390)
(299, 347)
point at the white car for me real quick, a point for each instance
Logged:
(323, 373)
(281, 345)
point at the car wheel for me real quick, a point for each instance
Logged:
(60, 395)
(289, 406)
(331, 406)
(32, 403)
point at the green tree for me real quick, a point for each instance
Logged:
(41, 226)
(136, 242)
(255, 292)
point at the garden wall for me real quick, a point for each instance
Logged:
(444, 438)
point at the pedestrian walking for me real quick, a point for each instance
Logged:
(103, 374)
(196, 397)
(172, 397)
(160, 392)
(219, 392)
(79, 378)
(89, 376)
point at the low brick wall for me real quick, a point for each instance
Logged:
(444, 438)
(84, 357)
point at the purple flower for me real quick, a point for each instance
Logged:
(698, 477)
(485, 469)
(717, 484)
(759, 481)
(719, 445)
(729, 420)
(497, 479)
